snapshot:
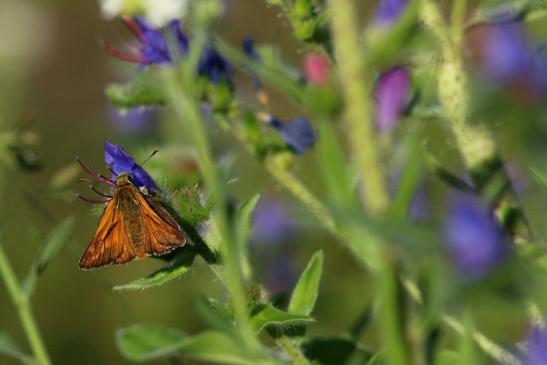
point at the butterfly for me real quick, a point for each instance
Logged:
(134, 224)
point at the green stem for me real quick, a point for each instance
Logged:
(356, 87)
(292, 350)
(23, 310)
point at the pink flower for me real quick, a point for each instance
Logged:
(316, 68)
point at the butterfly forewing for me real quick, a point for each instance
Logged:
(133, 225)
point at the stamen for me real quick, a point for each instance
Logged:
(132, 26)
(125, 56)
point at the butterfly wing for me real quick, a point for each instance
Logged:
(162, 233)
(111, 243)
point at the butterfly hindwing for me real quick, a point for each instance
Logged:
(162, 233)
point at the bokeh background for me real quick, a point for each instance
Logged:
(52, 80)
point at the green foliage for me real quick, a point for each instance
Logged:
(174, 270)
(267, 316)
(147, 342)
(9, 348)
(305, 293)
(144, 342)
(49, 249)
(335, 351)
(142, 90)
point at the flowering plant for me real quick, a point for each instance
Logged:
(387, 147)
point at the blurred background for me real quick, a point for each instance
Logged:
(52, 80)
(53, 75)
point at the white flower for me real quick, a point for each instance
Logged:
(160, 12)
(111, 8)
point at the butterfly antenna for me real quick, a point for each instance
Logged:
(93, 174)
(91, 201)
(149, 157)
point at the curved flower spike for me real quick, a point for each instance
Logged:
(298, 133)
(119, 161)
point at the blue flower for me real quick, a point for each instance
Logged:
(248, 46)
(392, 94)
(119, 161)
(474, 240)
(271, 222)
(389, 11)
(153, 45)
(298, 133)
(134, 121)
(508, 54)
(536, 346)
(214, 67)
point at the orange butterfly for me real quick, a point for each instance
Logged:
(133, 225)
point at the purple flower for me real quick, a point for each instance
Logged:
(508, 54)
(271, 221)
(134, 121)
(389, 11)
(119, 161)
(536, 346)
(474, 240)
(298, 133)
(214, 67)
(153, 47)
(392, 94)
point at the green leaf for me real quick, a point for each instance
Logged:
(332, 161)
(305, 293)
(9, 348)
(216, 347)
(335, 351)
(539, 176)
(244, 218)
(51, 247)
(144, 89)
(180, 266)
(143, 342)
(243, 233)
(410, 178)
(266, 315)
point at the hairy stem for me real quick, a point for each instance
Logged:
(292, 350)
(475, 142)
(356, 87)
(22, 305)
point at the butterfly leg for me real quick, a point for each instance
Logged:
(100, 193)
(91, 201)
